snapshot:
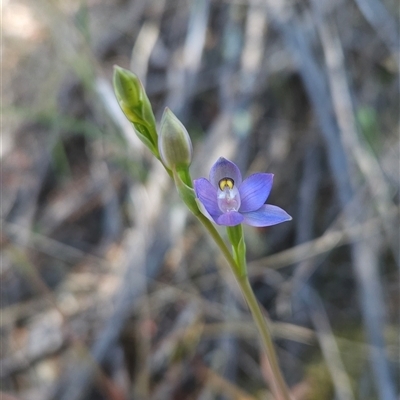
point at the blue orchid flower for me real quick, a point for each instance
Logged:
(227, 200)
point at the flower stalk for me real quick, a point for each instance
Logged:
(280, 389)
(236, 237)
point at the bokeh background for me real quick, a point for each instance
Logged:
(109, 288)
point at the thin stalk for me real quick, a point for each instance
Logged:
(218, 240)
(280, 389)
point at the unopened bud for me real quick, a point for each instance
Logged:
(174, 142)
(136, 106)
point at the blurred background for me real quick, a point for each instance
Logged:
(109, 288)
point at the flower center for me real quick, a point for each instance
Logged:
(228, 195)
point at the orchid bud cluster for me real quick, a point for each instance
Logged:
(172, 145)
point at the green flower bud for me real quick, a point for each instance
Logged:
(136, 106)
(174, 143)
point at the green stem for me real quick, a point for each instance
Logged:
(236, 237)
(280, 389)
(218, 240)
(185, 176)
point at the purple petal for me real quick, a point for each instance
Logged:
(224, 168)
(204, 211)
(230, 218)
(254, 191)
(267, 215)
(207, 194)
